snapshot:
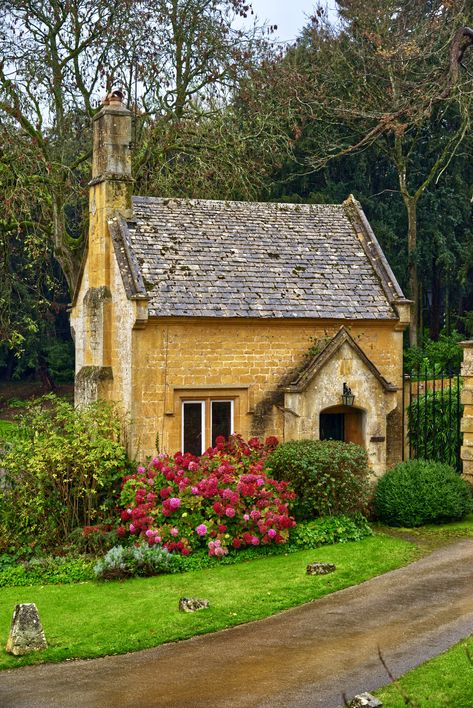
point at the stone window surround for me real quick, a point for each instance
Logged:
(238, 392)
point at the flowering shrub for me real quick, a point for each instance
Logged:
(221, 499)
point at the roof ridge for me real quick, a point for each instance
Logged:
(282, 206)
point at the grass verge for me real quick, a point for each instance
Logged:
(432, 536)
(93, 619)
(444, 681)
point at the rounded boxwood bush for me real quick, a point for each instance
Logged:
(420, 492)
(330, 477)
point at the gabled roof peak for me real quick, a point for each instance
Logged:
(318, 361)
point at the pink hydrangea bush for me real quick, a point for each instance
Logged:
(222, 499)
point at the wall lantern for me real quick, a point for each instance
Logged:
(347, 396)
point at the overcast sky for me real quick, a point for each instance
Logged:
(289, 15)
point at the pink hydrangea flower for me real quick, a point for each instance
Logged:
(230, 512)
(141, 470)
(193, 466)
(255, 540)
(246, 517)
(132, 528)
(194, 490)
(271, 533)
(174, 503)
(174, 531)
(255, 515)
(201, 530)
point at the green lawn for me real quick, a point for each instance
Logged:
(92, 619)
(444, 681)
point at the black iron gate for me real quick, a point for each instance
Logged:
(432, 416)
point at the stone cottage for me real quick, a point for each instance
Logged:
(204, 318)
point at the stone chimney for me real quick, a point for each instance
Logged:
(111, 184)
(96, 314)
(111, 160)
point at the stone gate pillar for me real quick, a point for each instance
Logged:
(467, 420)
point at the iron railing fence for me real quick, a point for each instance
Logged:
(432, 416)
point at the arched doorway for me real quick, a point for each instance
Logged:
(342, 423)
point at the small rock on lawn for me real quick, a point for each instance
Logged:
(192, 604)
(320, 568)
(364, 699)
(26, 633)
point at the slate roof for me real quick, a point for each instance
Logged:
(237, 259)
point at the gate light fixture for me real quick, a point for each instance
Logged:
(347, 396)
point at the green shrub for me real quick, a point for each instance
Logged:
(124, 562)
(419, 492)
(329, 477)
(7, 431)
(62, 471)
(92, 540)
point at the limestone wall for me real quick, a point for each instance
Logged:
(467, 420)
(248, 361)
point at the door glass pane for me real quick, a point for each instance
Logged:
(221, 419)
(192, 426)
(332, 426)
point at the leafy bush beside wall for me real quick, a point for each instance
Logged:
(329, 477)
(62, 470)
(420, 492)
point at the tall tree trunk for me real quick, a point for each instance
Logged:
(64, 252)
(435, 310)
(411, 208)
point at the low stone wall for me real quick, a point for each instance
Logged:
(467, 420)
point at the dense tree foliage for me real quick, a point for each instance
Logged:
(378, 104)
(386, 78)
